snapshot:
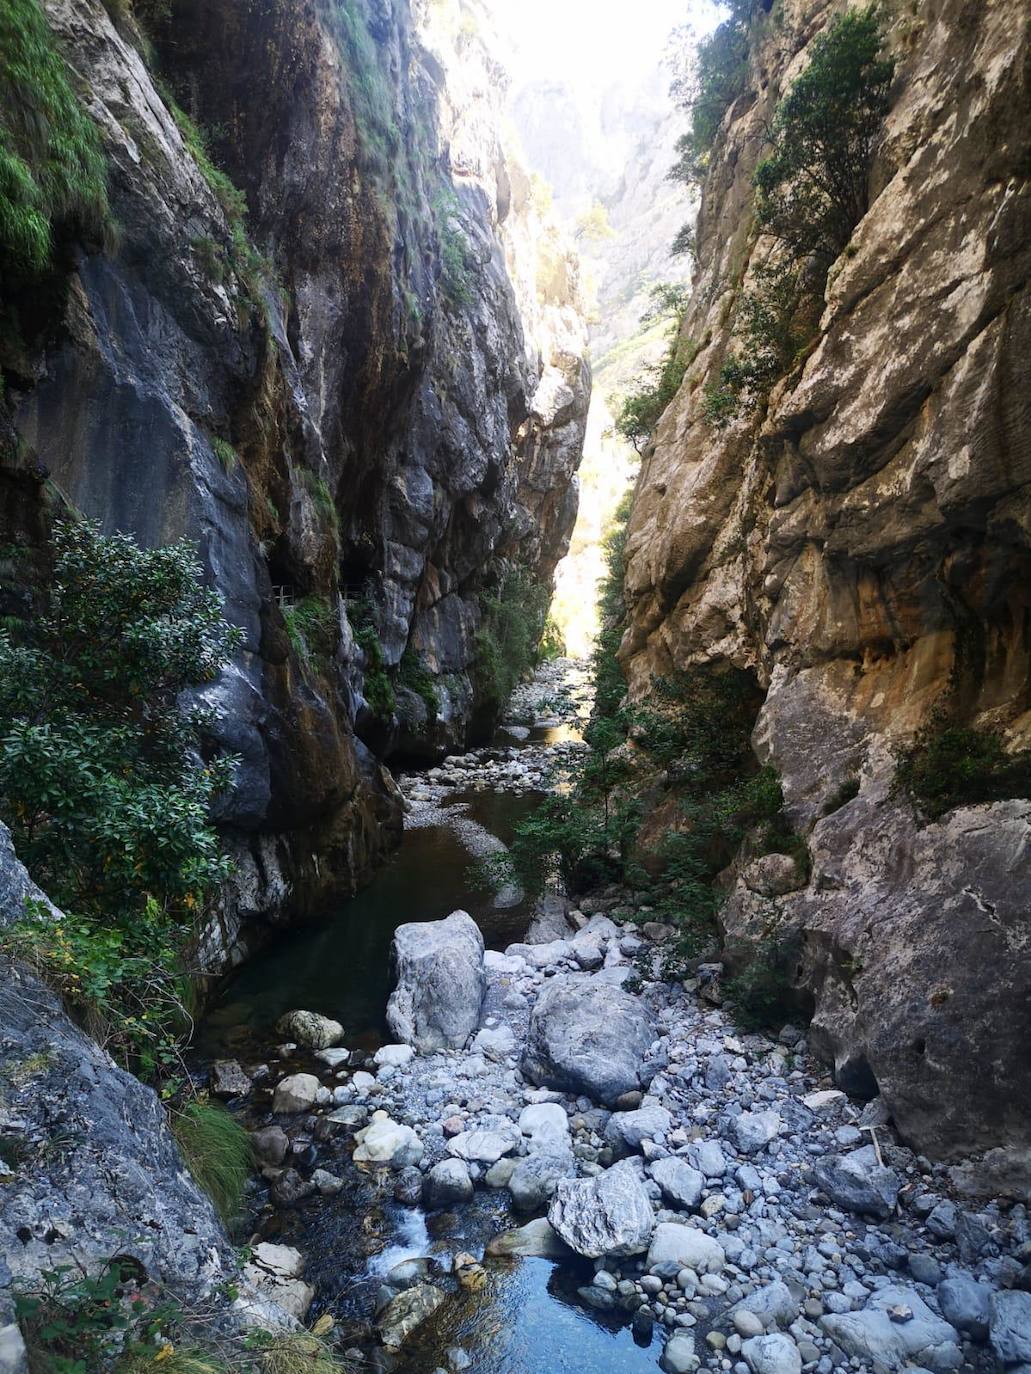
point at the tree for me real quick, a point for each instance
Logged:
(102, 779)
(813, 187)
(594, 224)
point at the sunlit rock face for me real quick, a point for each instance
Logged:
(863, 548)
(402, 383)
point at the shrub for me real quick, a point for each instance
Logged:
(512, 623)
(684, 244)
(762, 994)
(52, 168)
(416, 677)
(952, 765)
(100, 780)
(378, 689)
(298, 1352)
(311, 627)
(225, 453)
(812, 188)
(455, 257)
(217, 1151)
(642, 410)
(322, 498)
(717, 80)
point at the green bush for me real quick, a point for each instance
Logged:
(217, 1151)
(762, 995)
(416, 677)
(513, 617)
(52, 167)
(377, 689)
(952, 765)
(312, 628)
(642, 410)
(322, 498)
(813, 186)
(718, 79)
(225, 453)
(100, 781)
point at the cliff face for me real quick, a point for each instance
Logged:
(359, 401)
(863, 548)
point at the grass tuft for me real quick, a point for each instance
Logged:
(217, 1151)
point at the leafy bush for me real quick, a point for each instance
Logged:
(762, 994)
(312, 628)
(217, 1151)
(642, 410)
(812, 188)
(52, 167)
(322, 498)
(716, 82)
(100, 781)
(455, 256)
(952, 765)
(508, 640)
(684, 244)
(378, 689)
(609, 683)
(416, 677)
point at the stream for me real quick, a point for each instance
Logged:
(527, 1317)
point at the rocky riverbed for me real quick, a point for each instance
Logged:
(708, 1192)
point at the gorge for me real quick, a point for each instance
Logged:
(381, 987)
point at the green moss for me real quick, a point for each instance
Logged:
(312, 628)
(52, 167)
(225, 453)
(377, 687)
(217, 1151)
(322, 498)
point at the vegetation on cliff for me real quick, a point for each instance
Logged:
(52, 168)
(104, 785)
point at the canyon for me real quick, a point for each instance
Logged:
(337, 332)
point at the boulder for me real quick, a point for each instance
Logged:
(964, 1303)
(403, 1314)
(775, 1354)
(440, 982)
(298, 1092)
(772, 1305)
(495, 1043)
(626, 1130)
(685, 1246)
(536, 1240)
(588, 1037)
(387, 1142)
(484, 1146)
(681, 1185)
(534, 1179)
(1009, 1326)
(610, 1215)
(447, 1183)
(270, 1144)
(228, 1079)
(275, 1270)
(754, 1130)
(309, 1029)
(859, 1183)
(896, 1328)
(679, 1356)
(393, 1056)
(545, 1123)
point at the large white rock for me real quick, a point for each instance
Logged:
(675, 1242)
(387, 1142)
(922, 1339)
(298, 1092)
(546, 1123)
(587, 1036)
(773, 1354)
(608, 1215)
(310, 1029)
(440, 982)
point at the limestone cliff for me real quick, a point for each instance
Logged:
(359, 386)
(863, 547)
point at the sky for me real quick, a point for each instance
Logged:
(597, 40)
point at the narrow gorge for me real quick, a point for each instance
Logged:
(515, 687)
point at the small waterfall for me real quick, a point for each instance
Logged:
(412, 1242)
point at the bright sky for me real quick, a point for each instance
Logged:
(598, 40)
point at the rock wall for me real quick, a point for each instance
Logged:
(366, 398)
(863, 548)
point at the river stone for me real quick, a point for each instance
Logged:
(14, 1358)
(270, 1144)
(859, 1183)
(403, 1314)
(775, 1354)
(495, 1044)
(754, 1130)
(387, 1142)
(228, 1079)
(545, 1123)
(276, 1270)
(708, 1157)
(447, 1183)
(679, 1356)
(676, 1243)
(534, 1179)
(298, 1092)
(681, 1185)
(309, 1029)
(626, 1130)
(923, 1338)
(1009, 1325)
(485, 1146)
(588, 1037)
(773, 1305)
(610, 1215)
(536, 1240)
(964, 1303)
(440, 982)
(394, 1056)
